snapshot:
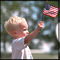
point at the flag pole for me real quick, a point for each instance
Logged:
(47, 8)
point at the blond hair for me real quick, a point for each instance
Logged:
(13, 23)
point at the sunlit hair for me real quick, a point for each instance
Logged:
(13, 23)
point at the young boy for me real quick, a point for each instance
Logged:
(17, 27)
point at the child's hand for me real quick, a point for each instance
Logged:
(41, 24)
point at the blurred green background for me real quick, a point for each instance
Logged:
(45, 41)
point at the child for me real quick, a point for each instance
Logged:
(17, 27)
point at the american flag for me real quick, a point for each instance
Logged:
(52, 11)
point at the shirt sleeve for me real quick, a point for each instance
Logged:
(19, 44)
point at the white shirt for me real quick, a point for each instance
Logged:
(19, 50)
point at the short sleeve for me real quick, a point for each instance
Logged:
(19, 44)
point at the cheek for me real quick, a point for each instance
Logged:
(24, 33)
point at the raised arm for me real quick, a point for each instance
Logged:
(29, 37)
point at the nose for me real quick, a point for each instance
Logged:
(27, 32)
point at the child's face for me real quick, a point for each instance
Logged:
(22, 31)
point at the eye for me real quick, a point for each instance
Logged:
(24, 29)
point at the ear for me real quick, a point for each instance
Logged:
(13, 32)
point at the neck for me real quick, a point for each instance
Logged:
(16, 37)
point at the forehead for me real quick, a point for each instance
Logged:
(23, 25)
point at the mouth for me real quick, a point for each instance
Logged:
(28, 34)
